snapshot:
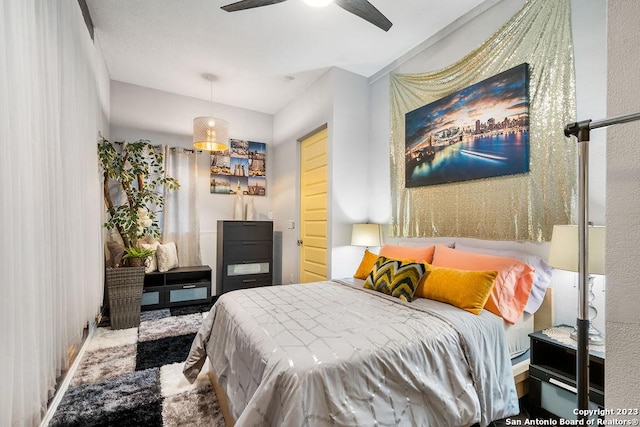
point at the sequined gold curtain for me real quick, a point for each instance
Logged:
(519, 207)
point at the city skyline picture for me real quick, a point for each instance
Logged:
(240, 168)
(478, 132)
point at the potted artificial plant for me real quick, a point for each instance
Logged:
(133, 173)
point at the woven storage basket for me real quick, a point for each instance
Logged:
(124, 286)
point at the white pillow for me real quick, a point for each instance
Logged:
(167, 256)
(542, 278)
(153, 263)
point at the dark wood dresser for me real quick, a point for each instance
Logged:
(245, 255)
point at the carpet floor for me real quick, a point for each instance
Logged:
(133, 377)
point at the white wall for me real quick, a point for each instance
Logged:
(589, 32)
(304, 115)
(340, 100)
(349, 165)
(622, 382)
(166, 118)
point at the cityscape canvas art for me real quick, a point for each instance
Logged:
(478, 132)
(240, 169)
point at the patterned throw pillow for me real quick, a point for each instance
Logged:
(395, 277)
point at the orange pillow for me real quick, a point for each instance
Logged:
(366, 265)
(512, 285)
(468, 290)
(418, 254)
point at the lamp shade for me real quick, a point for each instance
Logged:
(563, 253)
(210, 133)
(365, 235)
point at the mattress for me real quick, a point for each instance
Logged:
(518, 335)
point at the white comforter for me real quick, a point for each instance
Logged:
(331, 353)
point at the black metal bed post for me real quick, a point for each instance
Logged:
(581, 130)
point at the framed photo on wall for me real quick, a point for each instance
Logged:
(478, 132)
(241, 168)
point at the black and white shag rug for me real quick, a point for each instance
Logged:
(133, 377)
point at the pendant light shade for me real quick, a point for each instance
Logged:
(210, 133)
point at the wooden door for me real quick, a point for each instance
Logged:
(313, 207)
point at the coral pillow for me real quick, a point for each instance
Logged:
(418, 254)
(368, 260)
(512, 285)
(541, 281)
(468, 290)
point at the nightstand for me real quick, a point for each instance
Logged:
(552, 373)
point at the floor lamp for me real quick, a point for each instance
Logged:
(581, 130)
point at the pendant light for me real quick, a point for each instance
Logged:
(210, 133)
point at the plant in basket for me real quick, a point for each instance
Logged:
(134, 182)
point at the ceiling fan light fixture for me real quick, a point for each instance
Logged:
(210, 133)
(318, 3)
(360, 8)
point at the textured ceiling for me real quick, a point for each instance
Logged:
(264, 57)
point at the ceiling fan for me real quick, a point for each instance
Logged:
(361, 8)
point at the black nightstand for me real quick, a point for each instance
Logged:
(552, 373)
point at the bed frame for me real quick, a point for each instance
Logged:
(222, 399)
(542, 319)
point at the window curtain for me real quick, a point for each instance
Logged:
(51, 261)
(518, 207)
(180, 215)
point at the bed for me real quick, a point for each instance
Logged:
(335, 353)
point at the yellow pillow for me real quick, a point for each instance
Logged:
(468, 290)
(368, 260)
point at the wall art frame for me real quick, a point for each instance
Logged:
(480, 131)
(241, 168)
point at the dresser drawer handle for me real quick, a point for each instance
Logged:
(249, 280)
(563, 385)
(188, 286)
(249, 224)
(250, 243)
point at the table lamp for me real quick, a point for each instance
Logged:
(563, 254)
(367, 235)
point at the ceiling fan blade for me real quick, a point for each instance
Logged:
(248, 4)
(366, 11)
